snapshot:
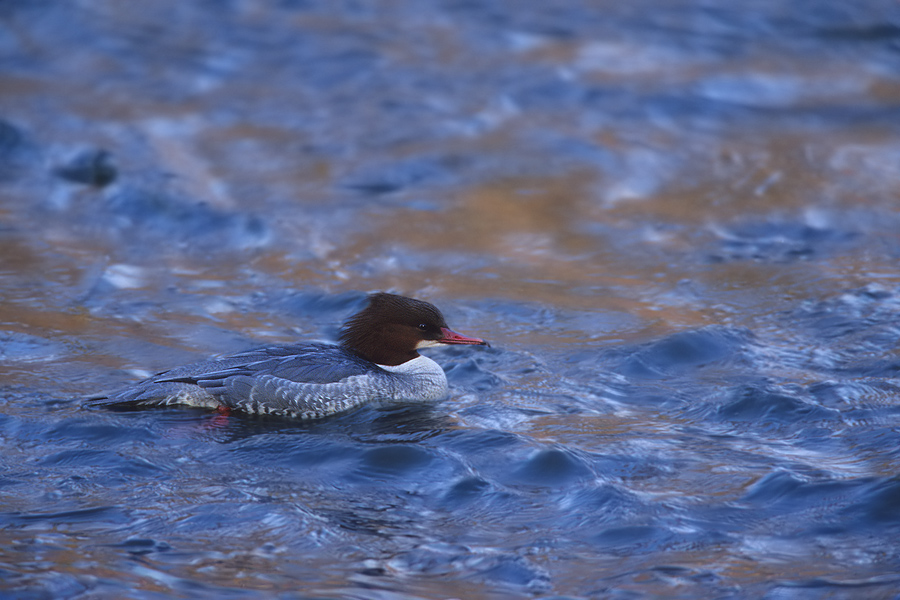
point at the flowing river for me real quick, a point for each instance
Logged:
(676, 221)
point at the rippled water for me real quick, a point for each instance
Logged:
(677, 223)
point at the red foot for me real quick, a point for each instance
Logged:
(218, 420)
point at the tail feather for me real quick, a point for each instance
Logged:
(154, 393)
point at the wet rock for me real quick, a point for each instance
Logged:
(387, 179)
(10, 137)
(12, 149)
(90, 167)
(142, 546)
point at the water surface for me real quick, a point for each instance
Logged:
(676, 222)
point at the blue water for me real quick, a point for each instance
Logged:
(676, 223)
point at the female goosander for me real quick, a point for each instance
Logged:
(377, 359)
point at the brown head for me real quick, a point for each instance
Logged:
(391, 330)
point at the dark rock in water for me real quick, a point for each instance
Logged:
(90, 167)
(387, 179)
(10, 137)
(12, 146)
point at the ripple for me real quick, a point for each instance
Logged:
(783, 240)
(761, 405)
(551, 468)
(92, 517)
(465, 491)
(686, 351)
(876, 504)
(687, 258)
(395, 461)
(22, 347)
(633, 539)
(478, 564)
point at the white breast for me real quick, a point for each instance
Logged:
(418, 379)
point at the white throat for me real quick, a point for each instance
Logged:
(428, 344)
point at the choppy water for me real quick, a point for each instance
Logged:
(677, 223)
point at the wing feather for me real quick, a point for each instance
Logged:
(268, 373)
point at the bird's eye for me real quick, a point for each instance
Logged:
(423, 326)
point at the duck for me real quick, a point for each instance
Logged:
(376, 360)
